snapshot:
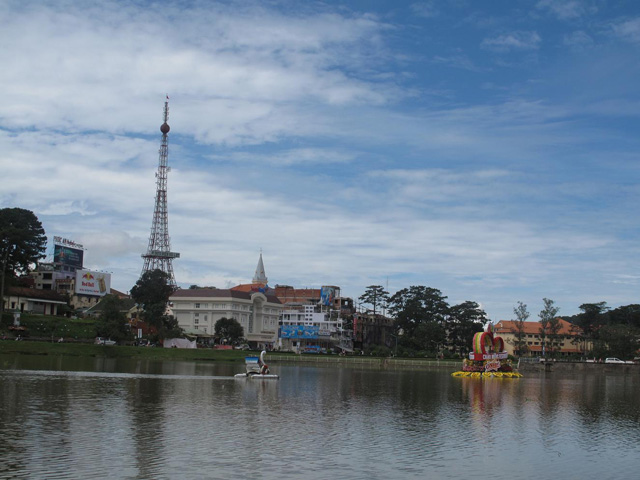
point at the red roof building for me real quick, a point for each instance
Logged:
(567, 341)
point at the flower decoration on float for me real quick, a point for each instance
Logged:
(488, 359)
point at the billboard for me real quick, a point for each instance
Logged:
(299, 331)
(67, 255)
(93, 283)
(327, 295)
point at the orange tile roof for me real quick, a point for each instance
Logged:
(35, 293)
(538, 348)
(509, 326)
(248, 287)
(218, 293)
(298, 292)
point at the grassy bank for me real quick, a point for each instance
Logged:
(206, 354)
(49, 326)
(90, 350)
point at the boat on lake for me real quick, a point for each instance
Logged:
(257, 369)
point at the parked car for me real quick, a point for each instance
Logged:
(104, 341)
(616, 360)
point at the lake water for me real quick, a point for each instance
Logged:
(70, 418)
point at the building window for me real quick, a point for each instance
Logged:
(197, 305)
(196, 321)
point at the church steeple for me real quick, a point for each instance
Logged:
(260, 276)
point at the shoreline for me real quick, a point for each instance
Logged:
(26, 347)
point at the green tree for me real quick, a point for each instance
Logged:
(22, 243)
(589, 322)
(151, 292)
(428, 337)
(113, 321)
(618, 341)
(463, 322)
(419, 314)
(549, 326)
(626, 315)
(229, 329)
(592, 317)
(520, 336)
(375, 296)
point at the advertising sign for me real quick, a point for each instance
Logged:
(66, 242)
(67, 256)
(327, 295)
(299, 331)
(93, 283)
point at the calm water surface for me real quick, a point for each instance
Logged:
(65, 418)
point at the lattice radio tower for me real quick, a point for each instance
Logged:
(159, 255)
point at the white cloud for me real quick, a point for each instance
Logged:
(334, 141)
(567, 9)
(104, 65)
(578, 39)
(425, 9)
(627, 29)
(458, 61)
(292, 157)
(513, 41)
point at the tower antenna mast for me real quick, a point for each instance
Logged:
(159, 255)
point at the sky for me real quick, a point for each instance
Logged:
(488, 149)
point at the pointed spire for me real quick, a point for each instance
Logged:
(260, 276)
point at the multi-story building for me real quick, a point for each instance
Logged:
(284, 317)
(62, 279)
(199, 309)
(371, 329)
(307, 327)
(328, 296)
(567, 341)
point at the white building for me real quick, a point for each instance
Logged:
(200, 308)
(303, 327)
(31, 300)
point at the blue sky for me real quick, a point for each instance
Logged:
(487, 149)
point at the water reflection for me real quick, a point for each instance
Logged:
(114, 418)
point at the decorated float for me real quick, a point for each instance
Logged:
(488, 358)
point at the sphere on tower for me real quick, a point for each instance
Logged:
(164, 128)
